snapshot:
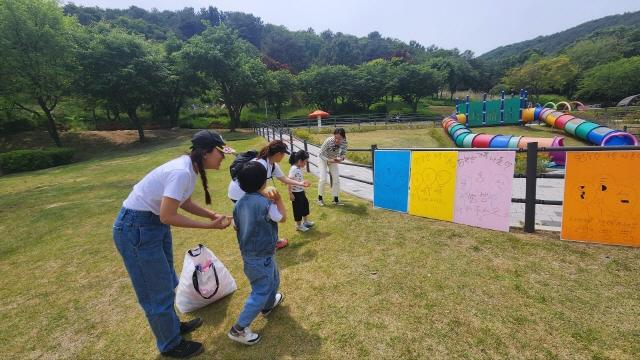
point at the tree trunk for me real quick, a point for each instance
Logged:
(234, 117)
(414, 105)
(133, 115)
(51, 123)
(278, 110)
(174, 115)
(95, 118)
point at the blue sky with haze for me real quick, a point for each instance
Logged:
(479, 26)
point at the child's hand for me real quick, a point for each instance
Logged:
(269, 192)
(276, 196)
(291, 197)
(306, 183)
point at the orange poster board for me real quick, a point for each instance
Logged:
(602, 197)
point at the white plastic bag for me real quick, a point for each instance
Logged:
(204, 280)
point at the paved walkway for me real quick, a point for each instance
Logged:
(548, 217)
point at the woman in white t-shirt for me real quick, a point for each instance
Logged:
(142, 235)
(269, 157)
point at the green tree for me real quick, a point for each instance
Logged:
(414, 82)
(323, 86)
(341, 49)
(611, 82)
(279, 87)
(122, 70)
(457, 72)
(37, 43)
(248, 27)
(591, 52)
(370, 82)
(180, 83)
(541, 75)
(229, 65)
(297, 50)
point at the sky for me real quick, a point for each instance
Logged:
(479, 26)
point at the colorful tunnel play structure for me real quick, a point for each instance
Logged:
(455, 125)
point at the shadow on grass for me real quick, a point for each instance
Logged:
(295, 253)
(213, 314)
(351, 208)
(282, 337)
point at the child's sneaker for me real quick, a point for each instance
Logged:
(302, 228)
(281, 243)
(278, 300)
(245, 336)
(320, 203)
(308, 224)
(338, 203)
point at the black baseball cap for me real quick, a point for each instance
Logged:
(207, 139)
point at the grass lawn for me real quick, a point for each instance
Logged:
(364, 282)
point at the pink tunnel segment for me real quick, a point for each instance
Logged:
(558, 157)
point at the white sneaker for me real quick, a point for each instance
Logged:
(278, 300)
(337, 203)
(308, 224)
(245, 336)
(302, 228)
(320, 203)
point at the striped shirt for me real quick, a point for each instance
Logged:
(329, 150)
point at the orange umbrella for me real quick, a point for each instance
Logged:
(319, 113)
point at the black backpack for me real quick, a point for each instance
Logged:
(240, 160)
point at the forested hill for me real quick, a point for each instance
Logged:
(552, 44)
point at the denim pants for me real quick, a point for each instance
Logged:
(146, 248)
(264, 277)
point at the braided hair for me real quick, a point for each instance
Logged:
(197, 156)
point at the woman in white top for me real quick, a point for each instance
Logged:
(269, 157)
(142, 235)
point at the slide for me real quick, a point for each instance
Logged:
(583, 129)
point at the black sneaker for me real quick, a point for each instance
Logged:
(185, 350)
(189, 326)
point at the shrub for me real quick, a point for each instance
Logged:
(379, 108)
(15, 125)
(27, 160)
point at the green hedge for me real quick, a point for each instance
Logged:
(27, 160)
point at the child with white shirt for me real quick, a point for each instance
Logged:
(299, 201)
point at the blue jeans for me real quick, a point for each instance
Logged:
(146, 248)
(264, 277)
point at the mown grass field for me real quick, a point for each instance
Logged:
(364, 283)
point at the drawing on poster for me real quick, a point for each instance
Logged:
(483, 189)
(391, 180)
(601, 200)
(432, 184)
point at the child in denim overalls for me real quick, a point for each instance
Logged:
(256, 215)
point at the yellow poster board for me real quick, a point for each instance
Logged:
(602, 197)
(432, 184)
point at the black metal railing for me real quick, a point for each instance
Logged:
(353, 120)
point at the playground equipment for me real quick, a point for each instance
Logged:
(565, 106)
(457, 126)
